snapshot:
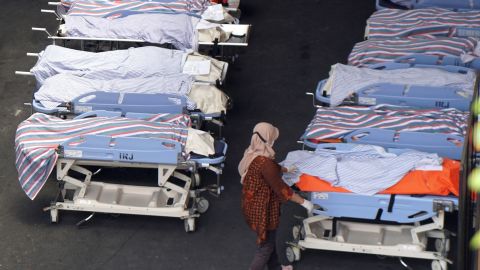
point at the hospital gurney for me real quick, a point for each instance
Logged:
(129, 63)
(217, 36)
(419, 219)
(438, 131)
(414, 4)
(178, 198)
(374, 51)
(407, 94)
(128, 103)
(424, 22)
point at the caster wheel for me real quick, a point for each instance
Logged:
(439, 265)
(197, 179)
(296, 232)
(189, 224)
(442, 245)
(293, 254)
(54, 216)
(202, 205)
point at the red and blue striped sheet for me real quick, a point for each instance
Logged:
(117, 9)
(374, 51)
(333, 123)
(427, 23)
(38, 137)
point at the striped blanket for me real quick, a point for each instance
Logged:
(330, 123)
(117, 9)
(428, 23)
(375, 51)
(38, 137)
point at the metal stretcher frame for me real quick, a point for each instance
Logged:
(325, 232)
(404, 95)
(169, 199)
(448, 4)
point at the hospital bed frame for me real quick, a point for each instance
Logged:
(408, 238)
(217, 48)
(415, 4)
(403, 95)
(169, 199)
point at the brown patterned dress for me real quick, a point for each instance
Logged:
(263, 192)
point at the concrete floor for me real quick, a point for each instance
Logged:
(293, 44)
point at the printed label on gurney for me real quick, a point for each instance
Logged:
(319, 196)
(367, 101)
(73, 153)
(83, 109)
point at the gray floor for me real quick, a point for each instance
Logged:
(294, 42)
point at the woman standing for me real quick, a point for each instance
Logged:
(262, 194)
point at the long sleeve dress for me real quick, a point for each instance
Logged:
(262, 194)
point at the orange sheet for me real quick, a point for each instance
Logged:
(443, 182)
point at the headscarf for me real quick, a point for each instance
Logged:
(263, 137)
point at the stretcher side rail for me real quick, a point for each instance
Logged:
(444, 145)
(380, 207)
(425, 59)
(123, 149)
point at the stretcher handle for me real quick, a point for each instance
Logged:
(23, 73)
(38, 107)
(396, 65)
(54, 3)
(41, 30)
(318, 92)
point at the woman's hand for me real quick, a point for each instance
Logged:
(290, 169)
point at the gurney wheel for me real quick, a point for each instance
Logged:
(293, 254)
(442, 245)
(439, 265)
(189, 224)
(298, 232)
(202, 205)
(197, 179)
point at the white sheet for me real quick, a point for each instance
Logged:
(66, 87)
(129, 63)
(345, 80)
(176, 29)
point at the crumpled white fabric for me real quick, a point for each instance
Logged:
(208, 98)
(199, 142)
